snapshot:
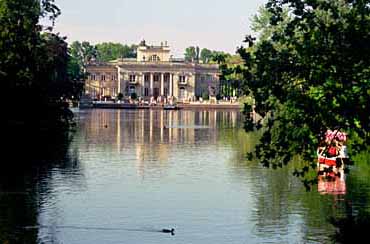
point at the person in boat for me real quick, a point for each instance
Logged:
(334, 148)
(332, 152)
(334, 144)
(321, 148)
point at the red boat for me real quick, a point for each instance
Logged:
(333, 152)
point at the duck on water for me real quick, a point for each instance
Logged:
(170, 231)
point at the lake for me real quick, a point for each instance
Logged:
(128, 174)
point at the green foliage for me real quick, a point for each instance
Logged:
(206, 55)
(111, 51)
(190, 54)
(308, 73)
(197, 54)
(82, 53)
(205, 96)
(33, 66)
(133, 96)
(261, 23)
(76, 74)
(120, 96)
(246, 100)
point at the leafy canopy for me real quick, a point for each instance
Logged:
(308, 72)
(34, 65)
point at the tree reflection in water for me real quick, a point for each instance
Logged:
(31, 159)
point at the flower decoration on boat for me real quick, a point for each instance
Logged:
(337, 135)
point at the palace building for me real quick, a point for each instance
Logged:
(154, 73)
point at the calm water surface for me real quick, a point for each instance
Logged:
(128, 174)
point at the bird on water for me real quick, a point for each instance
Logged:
(172, 231)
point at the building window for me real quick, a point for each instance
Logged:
(156, 77)
(182, 78)
(103, 77)
(182, 93)
(93, 77)
(147, 77)
(155, 91)
(132, 90)
(146, 91)
(166, 78)
(165, 91)
(154, 58)
(114, 77)
(132, 78)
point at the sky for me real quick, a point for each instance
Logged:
(214, 24)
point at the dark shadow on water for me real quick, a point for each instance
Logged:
(351, 229)
(28, 159)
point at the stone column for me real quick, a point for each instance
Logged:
(162, 84)
(151, 85)
(142, 84)
(171, 81)
(122, 84)
(137, 84)
(176, 86)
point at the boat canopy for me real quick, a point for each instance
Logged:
(335, 134)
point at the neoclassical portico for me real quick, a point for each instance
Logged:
(167, 83)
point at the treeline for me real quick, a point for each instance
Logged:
(108, 51)
(204, 55)
(229, 64)
(84, 52)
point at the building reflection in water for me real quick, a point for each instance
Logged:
(154, 133)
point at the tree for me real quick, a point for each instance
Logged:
(206, 55)
(310, 74)
(190, 54)
(83, 53)
(111, 51)
(261, 23)
(33, 66)
(197, 54)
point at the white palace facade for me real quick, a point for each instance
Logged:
(154, 73)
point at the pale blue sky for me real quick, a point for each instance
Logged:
(214, 24)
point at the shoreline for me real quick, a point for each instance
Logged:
(234, 106)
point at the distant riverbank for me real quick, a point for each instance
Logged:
(107, 105)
